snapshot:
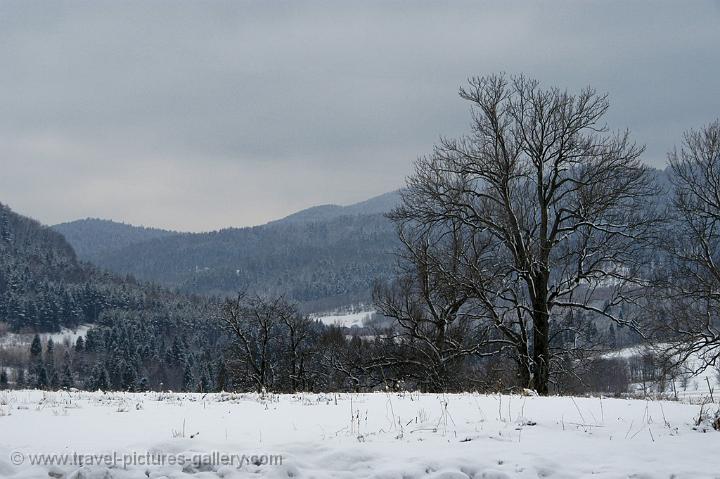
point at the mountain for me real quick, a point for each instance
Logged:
(377, 205)
(92, 238)
(44, 286)
(135, 336)
(322, 257)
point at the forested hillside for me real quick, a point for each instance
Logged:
(377, 205)
(43, 286)
(323, 257)
(308, 262)
(141, 335)
(93, 238)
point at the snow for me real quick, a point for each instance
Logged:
(691, 383)
(627, 353)
(381, 435)
(65, 335)
(69, 335)
(347, 320)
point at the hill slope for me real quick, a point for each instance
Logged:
(325, 263)
(377, 205)
(92, 238)
(323, 257)
(136, 336)
(43, 285)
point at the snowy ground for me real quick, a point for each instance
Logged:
(402, 436)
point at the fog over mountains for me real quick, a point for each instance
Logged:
(323, 257)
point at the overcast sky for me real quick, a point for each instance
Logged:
(201, 115)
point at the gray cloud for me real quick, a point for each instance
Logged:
(198, 115)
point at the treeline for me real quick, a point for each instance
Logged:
(125, 351)
(258, 343)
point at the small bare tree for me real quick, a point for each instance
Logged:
(256, 325)
(298, 331)
(558, 204)
(347, 362)
(436, 319)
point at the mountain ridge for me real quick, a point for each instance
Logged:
(323, 256)
(91, 237)
(379, 204)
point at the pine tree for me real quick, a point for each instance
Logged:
(54, 380)
(129, 378)
(41, 377)
(80, 345)
(115, 372)
(188, 383)
(221, 381)
(20, 379)
(52, 374)
(66, 380)
(100, 378)
(35, 348)
(204, 385)
(3, 379)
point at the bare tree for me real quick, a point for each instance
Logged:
(272, 342)
(690, 306)
(348, 362)
(437, 324)
(253, 323)
(298, 330)
(557, 203)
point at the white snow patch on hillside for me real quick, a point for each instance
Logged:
(392, 436)
(65, 335)
(627, 353)
(689, 383)
(347, 320)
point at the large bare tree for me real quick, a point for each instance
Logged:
(690, 304)
(556, 206)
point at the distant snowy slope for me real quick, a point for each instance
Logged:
(66, 335)
(690, 381)
(348, 320)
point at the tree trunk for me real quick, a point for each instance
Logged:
(541, 349)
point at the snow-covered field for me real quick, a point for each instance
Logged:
(382, 435)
